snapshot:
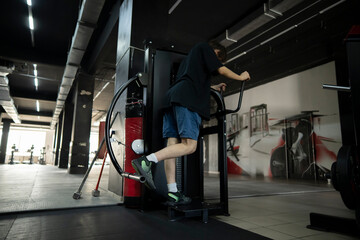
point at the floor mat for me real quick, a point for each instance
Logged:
(114, 223)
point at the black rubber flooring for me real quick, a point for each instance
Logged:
(116, 222)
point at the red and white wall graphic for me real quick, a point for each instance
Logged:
(300, 123)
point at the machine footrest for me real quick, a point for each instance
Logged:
(195, 209)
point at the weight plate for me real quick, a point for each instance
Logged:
(345, 176)
(278, 163)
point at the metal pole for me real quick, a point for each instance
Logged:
(77, 194)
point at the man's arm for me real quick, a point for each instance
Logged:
(224, 71)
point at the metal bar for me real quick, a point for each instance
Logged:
(133, 176)
(77, 194)
(201, 162)
(222, 161)
(335, 87)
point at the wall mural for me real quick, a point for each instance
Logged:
(292, 147)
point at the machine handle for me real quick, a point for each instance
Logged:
(220, 101)
(227, 111)
(337, 88)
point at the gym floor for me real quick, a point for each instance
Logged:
(274, 209)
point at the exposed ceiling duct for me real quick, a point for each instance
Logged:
(271, 10)
(5, 99)
(293, 26)
(87, 20)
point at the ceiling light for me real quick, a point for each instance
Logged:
(31, 23)
(36, 83)
(102, 89)
(37, 106)
(174, 6)
(35, 70)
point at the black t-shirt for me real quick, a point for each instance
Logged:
(192, 87)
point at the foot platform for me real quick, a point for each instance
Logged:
(195, 209)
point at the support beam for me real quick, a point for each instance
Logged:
(58, 134)
(67, 120)
(19, 93)
(103, 44)
(81, 126)
(35, 123)
(34, 113)
(4, 139)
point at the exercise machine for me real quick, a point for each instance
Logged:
(31, 151)
(136, 111)
(13, 150)
(42, 156)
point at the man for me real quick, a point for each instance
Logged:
(188, 100)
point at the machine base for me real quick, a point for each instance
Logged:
(334, 224)
(196, 209)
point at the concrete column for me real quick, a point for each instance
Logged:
(139, 22)
(54, 144)
(58, 138)
(49, 146)
(81, 126)
(4, 139)
(67, 121)
(122, 74)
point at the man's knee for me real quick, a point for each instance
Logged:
(190, 146)
(172, 141)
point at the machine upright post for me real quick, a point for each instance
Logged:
(201, 167)
(222, 160)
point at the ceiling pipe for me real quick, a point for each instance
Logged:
(88, 16)
(271, 10)
(286, 30)
(6, 100)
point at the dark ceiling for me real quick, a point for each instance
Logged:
(306, 35)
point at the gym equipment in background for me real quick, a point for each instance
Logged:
(13, 150)
(345, 172)
(42, 156)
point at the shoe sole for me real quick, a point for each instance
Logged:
(141, 172)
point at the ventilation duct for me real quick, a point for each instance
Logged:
(88, 17)
(5, 99)
(271, 10)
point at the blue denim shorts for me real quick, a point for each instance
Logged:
(180, 122)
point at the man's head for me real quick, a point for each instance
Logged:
(219, 49)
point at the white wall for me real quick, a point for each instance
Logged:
(287, 97)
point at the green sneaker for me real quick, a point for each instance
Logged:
(177, 198)
(142, 167)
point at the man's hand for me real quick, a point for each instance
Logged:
(245, 76)
(219, 87)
